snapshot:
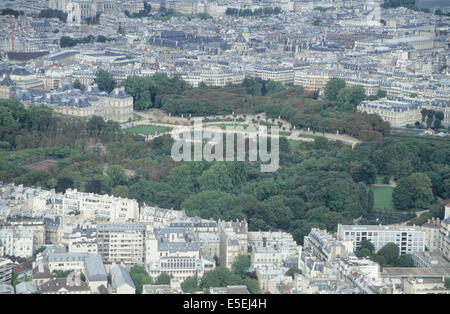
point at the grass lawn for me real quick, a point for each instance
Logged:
(148, 129)
(294, 144)
(383, 197)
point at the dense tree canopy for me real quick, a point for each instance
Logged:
(390, 252)
(332, 88)
(414, 191)
(140, 277)
(105, 81)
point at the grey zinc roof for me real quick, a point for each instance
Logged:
(95, 271)
(7, 82)
(122, 276)
(26, 287)
(20, 71)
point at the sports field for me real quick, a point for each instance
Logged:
(383, 197)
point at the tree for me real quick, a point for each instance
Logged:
(370, 201)
(219, 277)
(254, 86)
(240, 265)
(349, 98)
(414, 191)
(117, 175)
(105, 81)
(363, 172)
(63, 184)
(14, 279)
(207, 204)
(140, 278)
(51, 13)
(93, 186)
(51, 183)
(274, 87)
(163, 279)
(366, 244)
(217, 177)
(363, 253)
(405, 260)
(390, 252)
(190, 285)
(251, 284)
(139, 89)
(101, 39)
(292, 271)
(78, 85)
(67, 41)
(333, 86)
(424, 113)
(120, 191)
(380, 259)
(447, 282)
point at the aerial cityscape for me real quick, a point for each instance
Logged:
(237, 147)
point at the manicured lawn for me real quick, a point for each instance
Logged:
(383, 197)
(294, 144)
(148, 129)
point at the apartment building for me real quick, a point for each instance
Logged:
(175, 251)
(277, 248)
(94, 205)
(270, 273)
(278, 74)
(263, 256)
(312, 79)
(212, 77)
(209, 244)
(233, 236)
(122, 243)
(34, 223)
(159, 217)
(371, 86)
(283, 240)
(431, 260)
(66, 261)
(409, 239)
(17, 242)
(83, 239)
(444, 245)
(326, 246)
(397, 113)
(432, 235)
(403, 110)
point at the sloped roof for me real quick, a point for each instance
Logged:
(121, 276)
(95, 270)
